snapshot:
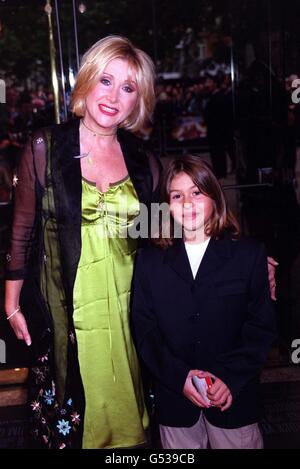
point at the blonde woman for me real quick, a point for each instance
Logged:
(69, 269)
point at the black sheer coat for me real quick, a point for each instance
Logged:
(49, 160)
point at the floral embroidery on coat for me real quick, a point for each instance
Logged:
(52, 425)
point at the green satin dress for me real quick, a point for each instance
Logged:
(115, 413)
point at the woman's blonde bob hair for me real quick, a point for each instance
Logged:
(94, 62)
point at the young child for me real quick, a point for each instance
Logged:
(202, 307)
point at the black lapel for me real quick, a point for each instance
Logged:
(137, 164)
(66, 177)
(217, 253)
(177, 258)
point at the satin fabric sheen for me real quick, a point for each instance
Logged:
(115, 412)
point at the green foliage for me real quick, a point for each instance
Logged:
(156, 26)
(24, 40)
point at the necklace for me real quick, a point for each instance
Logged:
(96, 133)
(89, 154)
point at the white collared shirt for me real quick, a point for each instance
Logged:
(195, 254)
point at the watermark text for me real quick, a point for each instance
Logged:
(2, 91)
(295, 355)
(296, 92)
(2, 351)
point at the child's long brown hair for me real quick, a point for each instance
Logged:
(203, 177)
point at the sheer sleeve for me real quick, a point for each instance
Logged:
(29, 182)
(156, 169)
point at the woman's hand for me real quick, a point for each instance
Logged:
(19, 325)
(272, 264)
(14, 314)
(190, 392)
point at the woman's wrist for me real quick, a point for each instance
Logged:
(11, 312)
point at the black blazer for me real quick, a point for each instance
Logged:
(222, 322)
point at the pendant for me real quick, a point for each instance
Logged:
(83, 155)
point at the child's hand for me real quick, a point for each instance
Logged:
(272, 264)
(190, 392)
(219, 394)
(227, 403)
